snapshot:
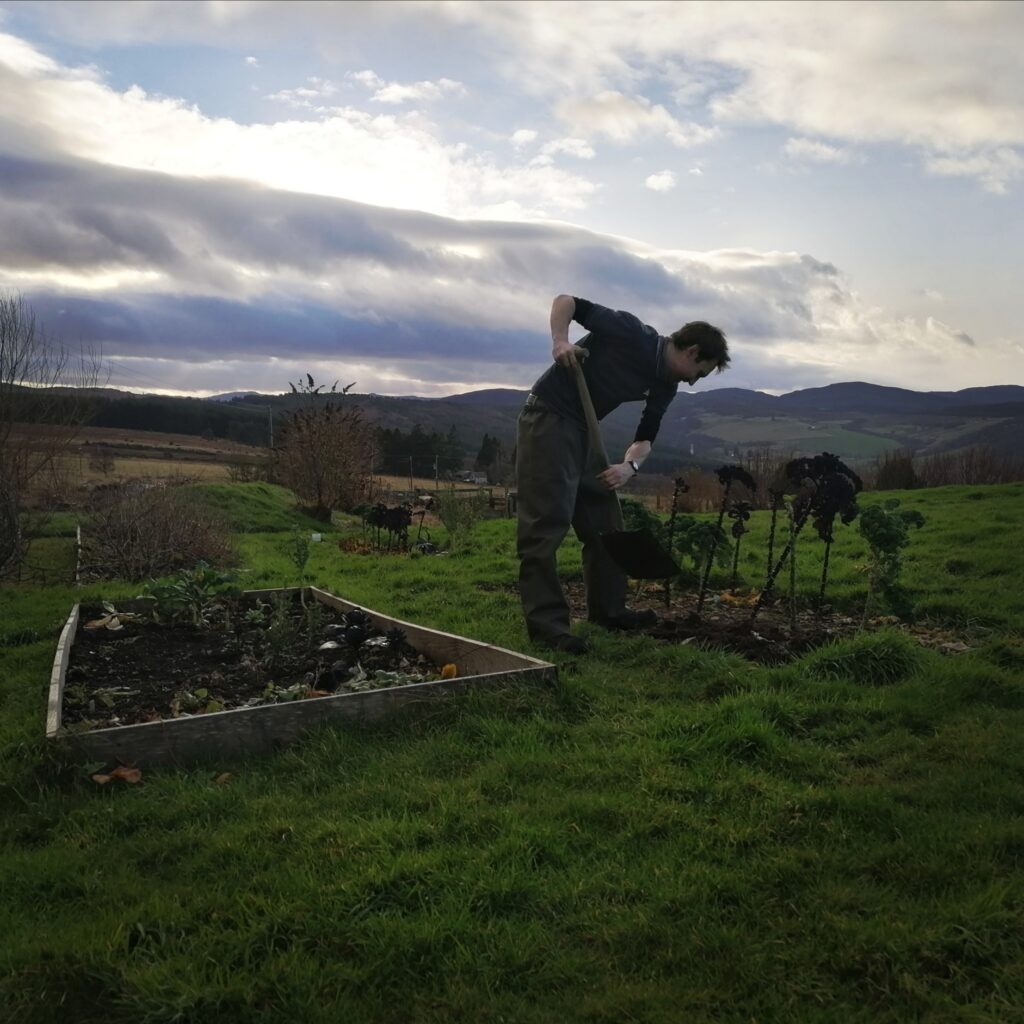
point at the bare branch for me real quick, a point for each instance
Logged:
(44, 384)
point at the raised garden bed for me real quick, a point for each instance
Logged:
(181, 693)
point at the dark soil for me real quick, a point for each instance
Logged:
(249, 652)
(724, 624)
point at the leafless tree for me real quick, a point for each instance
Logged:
(41, 384)
(325, 451)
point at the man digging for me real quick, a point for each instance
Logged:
(558, 487)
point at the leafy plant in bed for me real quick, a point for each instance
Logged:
(199, 646)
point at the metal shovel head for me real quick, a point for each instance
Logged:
(638, 554)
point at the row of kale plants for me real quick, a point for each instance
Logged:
(821, 490)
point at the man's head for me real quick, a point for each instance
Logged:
(694, 351)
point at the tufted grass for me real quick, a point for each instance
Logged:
(667, 835)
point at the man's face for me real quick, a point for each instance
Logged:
(685, 365)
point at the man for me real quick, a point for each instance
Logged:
(627, 361)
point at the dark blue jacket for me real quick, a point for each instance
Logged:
(626, 364)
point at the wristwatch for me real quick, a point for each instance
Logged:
(635, 465)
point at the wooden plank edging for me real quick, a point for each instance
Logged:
(438, 644)
(59, 673)
(266, 727)
(78, 554)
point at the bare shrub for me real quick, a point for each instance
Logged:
(705, 490)
(459, 512)
(970, 466)
(101, 461)
(135, 532)
(53, 487)
(325, 452)
(249, 471)
(894, 471)
(903, 470)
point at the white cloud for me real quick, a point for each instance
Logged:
(624, 119)
(398, 92)
(522, 137)
(945, 78)
(696, 172)
(252, 62)
(931, 75)
(368, 78)
(151, 265)
(313, 94)
(815, 151)
(571, 147)
(579, 148)
(244, 23)
(774, 305)
(663, 181)
(994, 168)
(387, 159)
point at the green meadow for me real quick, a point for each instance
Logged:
(669, 834)
(796, 435)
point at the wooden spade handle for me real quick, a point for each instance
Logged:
(594, 433)
(593, 429)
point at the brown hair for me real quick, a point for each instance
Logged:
(710, 342)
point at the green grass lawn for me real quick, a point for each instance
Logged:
(668, 835)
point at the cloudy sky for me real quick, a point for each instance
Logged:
(226, 195)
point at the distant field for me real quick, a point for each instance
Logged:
(427, 485)
(116, 436)
(850, 443)
(133, 469)
(135, 454)
(803, 437)
(931, 435)
(75, 471)
(798, 436)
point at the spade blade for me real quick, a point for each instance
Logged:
(638, 554)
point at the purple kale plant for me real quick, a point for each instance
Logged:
(825, 487)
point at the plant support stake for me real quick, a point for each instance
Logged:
(680, 488)
(797, 524)
(726, 476)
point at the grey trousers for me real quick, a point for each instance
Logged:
(557, 488)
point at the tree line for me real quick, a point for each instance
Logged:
(418, 452)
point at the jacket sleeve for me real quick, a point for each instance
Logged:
(650, 420)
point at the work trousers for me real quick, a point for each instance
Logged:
(557, 485)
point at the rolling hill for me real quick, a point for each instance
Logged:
(856, 420)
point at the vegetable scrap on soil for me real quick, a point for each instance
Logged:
(125, 668)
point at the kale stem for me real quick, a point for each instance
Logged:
(714, 547)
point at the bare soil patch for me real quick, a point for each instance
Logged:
(253, 652)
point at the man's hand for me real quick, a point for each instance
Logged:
(616, 476)
(564, 353)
